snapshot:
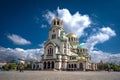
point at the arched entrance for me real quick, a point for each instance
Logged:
(33, 66)
(44, 65)
(48, 65)
(81, 66)
(52, 65)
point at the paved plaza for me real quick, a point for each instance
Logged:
(58, 75)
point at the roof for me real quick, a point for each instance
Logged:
(56, 19)
(74, 54)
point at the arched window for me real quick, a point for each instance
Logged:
(50, 51)
(57, 22)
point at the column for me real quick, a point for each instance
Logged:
(84, 65)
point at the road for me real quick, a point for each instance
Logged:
(58, 75)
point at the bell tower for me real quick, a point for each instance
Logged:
(57, 23)
(56, 28)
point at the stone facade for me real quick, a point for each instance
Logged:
(62, 51)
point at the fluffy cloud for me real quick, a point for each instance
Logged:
(98, 55)
(18, 40)
(29, 54)
(101, 36)
(75, 23)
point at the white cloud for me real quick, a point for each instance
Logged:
(18, 39)
(101, 36)
(43, 26)
(29, 54)
(75, 23)
(41, 45)
(98, 55)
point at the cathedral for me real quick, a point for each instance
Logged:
(62, 51)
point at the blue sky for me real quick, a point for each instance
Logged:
(24, 26)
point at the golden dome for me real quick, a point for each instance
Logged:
(56, 19)
(71, 35)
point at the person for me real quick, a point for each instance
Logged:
(21, 67)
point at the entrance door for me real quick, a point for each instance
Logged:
(48, 65)
(44, 65)
(81, 66)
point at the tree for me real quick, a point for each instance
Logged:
(12, 66)
(115, 67)
(5, 67)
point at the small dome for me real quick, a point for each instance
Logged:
(80, 47)
(71, 35)
(63, 37)
(56, 19)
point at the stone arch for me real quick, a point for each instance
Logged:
(81, 66)
(48, 66)
(37, 66)
(75, 66)
(72, 66)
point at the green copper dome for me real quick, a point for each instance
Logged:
(74, 54)
(80, 47)
(63, 37)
